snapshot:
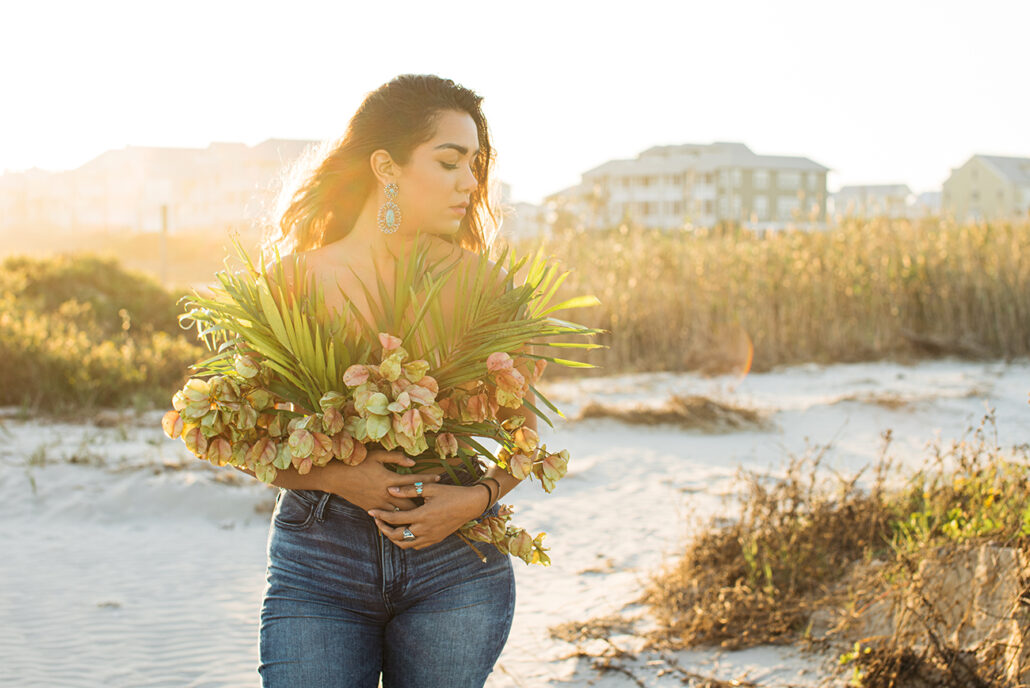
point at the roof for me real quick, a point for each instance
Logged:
(1016, 170)
(703, 158)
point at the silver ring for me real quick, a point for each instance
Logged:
(408, 535)
(418, 488)
(396, 508)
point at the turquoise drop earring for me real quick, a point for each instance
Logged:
(389, 213)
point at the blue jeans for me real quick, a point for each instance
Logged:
(343, 603)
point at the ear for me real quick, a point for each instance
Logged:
(383, 167)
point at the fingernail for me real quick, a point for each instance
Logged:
(395, 489)
(372, 514)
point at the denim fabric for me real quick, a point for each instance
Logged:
(343, 604)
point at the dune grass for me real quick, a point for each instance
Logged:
(807, 541)
(866, 290)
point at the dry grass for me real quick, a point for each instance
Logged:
(928, 575)
(757, 579)
(866, 290)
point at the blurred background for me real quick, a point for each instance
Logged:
(807, 223)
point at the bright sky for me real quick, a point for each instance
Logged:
(879, 91)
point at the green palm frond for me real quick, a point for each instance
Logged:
(309, 348)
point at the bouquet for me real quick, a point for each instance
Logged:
(292, 384)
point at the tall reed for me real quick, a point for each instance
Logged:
(868, 289)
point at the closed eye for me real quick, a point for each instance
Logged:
(449, 167)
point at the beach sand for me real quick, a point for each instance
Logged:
(128, 562)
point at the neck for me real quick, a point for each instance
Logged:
(367, 241)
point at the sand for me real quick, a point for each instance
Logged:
(127, 562)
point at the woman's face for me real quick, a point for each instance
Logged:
(438, 177)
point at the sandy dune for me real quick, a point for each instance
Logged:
(127, 562)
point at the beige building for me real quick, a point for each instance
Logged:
(677, 186)
(224, 186)
(988, 187)
(874, 200)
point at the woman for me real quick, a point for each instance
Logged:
(365, 574)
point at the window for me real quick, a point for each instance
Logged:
(735, 177)
(762, 207)
(760, 178)
(708, 207)
(785, 207)
(788, 180)
(724, 207)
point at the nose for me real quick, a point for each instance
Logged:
(468, 181)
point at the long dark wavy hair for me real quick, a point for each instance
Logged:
(396, 117)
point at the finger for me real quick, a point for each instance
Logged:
(395, 457)
(396, 535)
(400, 505)
(396, 518)
(411, 491)
(411, 479)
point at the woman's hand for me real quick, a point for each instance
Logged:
(366, 484)
(446, 508)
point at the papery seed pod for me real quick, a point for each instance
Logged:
(322, 447)
(390, 368)
(377, 403)
(283, 456)
(400, 404)
(224, 390)
(521, 545)
(275, 425)
(343, 445)
(408, 423)
(357, 427)
(260, 399)
(498, 361)
(301, 443)
(265, 472)
(520, 466)
(479, 533)
(357, 456)
(498, 528)
(197, 389)
(513, 423)
(332, 420)
(377, 426)
(432, 417)
(416, 370)
(246, 418)
(355, 375)
(333, 400)
(194, 440)
(303, 466)
(446, 445)
(388, 341)
(246, 366)
(171, 423)
(219, 451)
(526, 439)
(263, 452)
(179, 401)
(554, 466)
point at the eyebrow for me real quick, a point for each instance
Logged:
(461, 149)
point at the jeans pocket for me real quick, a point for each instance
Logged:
(293, 512)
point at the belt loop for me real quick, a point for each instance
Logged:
(321, 506)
